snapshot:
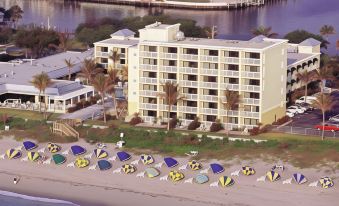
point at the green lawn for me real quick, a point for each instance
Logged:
(24, 114)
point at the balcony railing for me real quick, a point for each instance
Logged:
(163, 81)
(229, 86)
(189, 57)
(229, 112)
(229, 73)
(250, 61)
(188, 109)
(148, 93)
(209, 84)
(190, 96)
(250, 74)
(164, 107)
(209, 111)
(209, 98)
(148, 106)
(148, 80)
(189, 70)
(149, 67)
(172, 69)
(148, 119)
(206, 71)
(250, 114)
(230, 60)
(169, 55)
(251, 101)
(102, 54)
(186, 83)
(149, 54)
(209, 58)
(251, 88)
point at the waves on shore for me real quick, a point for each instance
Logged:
(12, 198)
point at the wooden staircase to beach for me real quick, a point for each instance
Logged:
(66, 127)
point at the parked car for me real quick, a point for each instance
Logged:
(306, 106)
(300, 107)
(309, 99)
(327, 127)
(289, 114)
(335, 118)
(295, 109)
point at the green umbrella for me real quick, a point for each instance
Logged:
(58, 159)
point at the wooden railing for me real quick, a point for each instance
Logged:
(63, 127)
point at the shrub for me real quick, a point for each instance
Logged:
(282, 120)
(136, 119)
(194, 124)
(173, 122)
(254, 131)
(216, 126)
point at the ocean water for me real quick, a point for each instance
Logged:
(14, 199)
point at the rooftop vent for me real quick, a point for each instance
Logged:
(180, 36)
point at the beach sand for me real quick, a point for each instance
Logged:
(102, 188)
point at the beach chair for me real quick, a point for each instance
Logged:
(190, 180)
(183, 167)
(42, 150)
(313, 184)
(25, 159)
(66, 152)
(214, 184)
(18, 148)
(71, 164)
(117, 171)
(205, 171)
(112, 159)
(89, 156)
(192, 153)
(287, 181)
(141, 174)
(159, 165)
(164, 178)
(47, 162)
(93, 167)
(235, 173)
(135, 162)
(2, 157)
(261, 179)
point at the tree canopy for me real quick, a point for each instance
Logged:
(298, 36)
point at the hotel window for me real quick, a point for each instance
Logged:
(211, 52)
(149, 48)
(149, 100)
(210, 105)
(190, 77)
(172, 50)
(249, 121)
(149, 87)
(254, 82)
(189, 116)
(209, 118)
(169, 63)
(149, 61)
(104, 60)
(231, 80)
(190, 51)
(252, 55)
(169, 76)
(233, 120)
(150, 74)
(210, 79)
(188, 90)
(122, 61)
(150, 113)
(207, 65)
(231, 54)
(104, 49)
(122, 50)
(190, 64)
(210, 92)
(252, 68)
(232, 67)
(250, 108)
(253, 95)
(190, 103)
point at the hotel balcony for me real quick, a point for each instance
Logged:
(209, 98)
(209, 58)
(187, 109)
(205, 71)
(102, 54)
(148, 54)
(164, 107)
(148, 118)
(250, 88)
(148, 93)
(186, 83)
(171, 69)
(168, 55)
(148, 80)
(230, 60)
(163, 81)
(189, 70)
(229, 112)
(148, 106)
(251, 75)
(189, 57)
(209, 85)
(229, 86)
(229, 73)
(209, 111)
(249, 114)
(190, 96)
(251, 61)
(250, 101)
(149, 67)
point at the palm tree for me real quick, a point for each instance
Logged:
(211, 32)
(70, 65)
(89, 70)
(323, 74)
(171, 95)
(114, 78)
(327, 30)
(15, 14)
(232, 101)
(305, 77)
(115, 57)
(124, 73)
(41, 82)
(266, 31)
(324, 102)
(102, 85)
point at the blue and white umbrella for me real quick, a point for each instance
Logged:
(217, 168)
(299, 178)
(170, 162)
(29, 145)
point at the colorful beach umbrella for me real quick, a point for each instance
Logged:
(58, 159)
(248, 170)
(78, 150)
(13, 154)
(226, 181)
(100, 153)
(217, 168)
(326, 182)
(151, 172)
(299, 178)
(53, 148)
(201, 179)
(33, 156)
(81, 162)
(104, 165)
(194, 165)
(146, 159)
(29, 145)
(127, 168)
(176, 176)
(170, 162)
(123, 156)
(272, 176)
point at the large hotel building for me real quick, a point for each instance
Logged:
(259, 69)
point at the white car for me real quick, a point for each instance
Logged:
(295, 109)
(289, 114)
(335, 118)
(309, 99)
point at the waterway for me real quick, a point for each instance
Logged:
(283, 16)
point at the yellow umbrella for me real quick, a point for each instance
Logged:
(194, 165)
(81, 162)
(100, 153)
(53, 148)
(272, 176)
(248, 170)
(326, 182)
(176, 176)
(13, 154)
(146, 159)
(226, 181)
(127, 168)
(33, 156)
